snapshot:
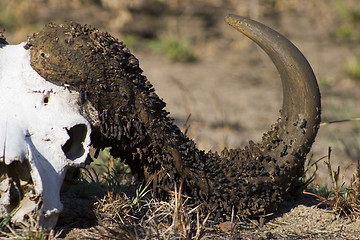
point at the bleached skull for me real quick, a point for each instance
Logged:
(42, 134)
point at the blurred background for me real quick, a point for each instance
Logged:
(219, 86)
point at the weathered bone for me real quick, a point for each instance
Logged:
(42, 133)
(128, 116)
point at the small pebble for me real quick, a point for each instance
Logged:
(226, 226)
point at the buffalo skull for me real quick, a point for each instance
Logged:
(42, 134)
(96, 82)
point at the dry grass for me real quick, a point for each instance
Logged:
(342, 200)
(32, 232)
(120, 217)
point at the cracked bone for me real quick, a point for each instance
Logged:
(42, 134)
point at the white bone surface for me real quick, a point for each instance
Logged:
(35, 116)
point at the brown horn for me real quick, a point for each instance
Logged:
(301, 96)
(132, 120)
(272, 167)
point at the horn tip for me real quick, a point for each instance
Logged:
(241, 24)
(234, 20)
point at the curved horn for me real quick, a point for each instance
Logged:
(272, 167)
(127, 115)
(301, 96)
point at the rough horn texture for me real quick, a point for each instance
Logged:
(132, 120)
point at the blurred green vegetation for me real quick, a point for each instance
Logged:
(349, 27)
(136, 21)
(7, 20)
(353, 68)
(175, 47)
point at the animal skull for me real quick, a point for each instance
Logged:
(42, 134)
(43, 130)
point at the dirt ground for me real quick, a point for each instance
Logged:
(232, 91)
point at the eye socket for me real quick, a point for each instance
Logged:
(73, 148)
